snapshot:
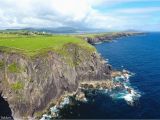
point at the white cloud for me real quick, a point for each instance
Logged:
(34, 13)
(57, 13)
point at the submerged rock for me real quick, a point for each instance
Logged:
(81, 97)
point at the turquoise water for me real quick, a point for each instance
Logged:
(140, 55)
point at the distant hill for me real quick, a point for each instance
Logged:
(66, 30)
(132, 30)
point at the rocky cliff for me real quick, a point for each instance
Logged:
(31, 84)
(97, 38)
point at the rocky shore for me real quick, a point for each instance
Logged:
(78, 95)
(67, 99)
(109, 37)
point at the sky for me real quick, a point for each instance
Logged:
(94, 14)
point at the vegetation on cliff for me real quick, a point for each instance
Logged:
(14, 68)
(95, 35)
(108, 37)
(106, 34)
(17, 86)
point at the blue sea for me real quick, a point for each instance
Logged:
(140, 55)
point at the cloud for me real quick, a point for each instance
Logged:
(54, 13)
(72, 13)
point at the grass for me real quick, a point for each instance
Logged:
(5, 35)
(14, 68)
(1, 65)
(17, 86)
(93, 35)
(32, 45)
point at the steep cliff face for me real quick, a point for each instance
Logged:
(29, 85)
(109, 37)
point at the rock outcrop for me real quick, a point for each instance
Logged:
(109, 37)
(29, 85)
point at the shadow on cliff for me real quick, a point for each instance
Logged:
(5, 111)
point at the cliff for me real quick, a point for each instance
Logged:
(30, 84)
(98, 38)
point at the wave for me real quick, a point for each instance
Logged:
(124, 89)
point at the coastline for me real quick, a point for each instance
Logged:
(100, 38)
(103, 86)
(107, 85)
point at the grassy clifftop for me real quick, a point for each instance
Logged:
(94, 35)
(33, 44)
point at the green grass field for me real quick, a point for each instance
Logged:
(93, 35)
(33, 44)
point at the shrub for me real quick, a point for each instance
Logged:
(1, 65)
(14, 68)
(17, 86)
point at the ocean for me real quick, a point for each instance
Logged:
(140, 55)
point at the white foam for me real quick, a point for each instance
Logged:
(85, 100)
(128, 98)
(98, 43)
(65, 102)
(125, 86)
(46, 117)
(54, 109)
(127, 76)
(106, 91)
(118, 78)
(122, 76)
(127, 93)
(131, 97)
